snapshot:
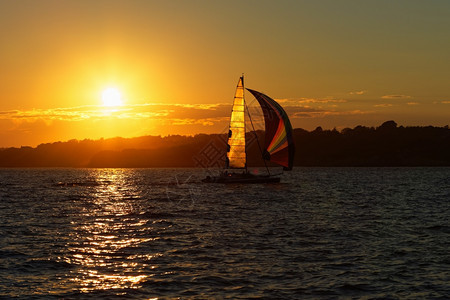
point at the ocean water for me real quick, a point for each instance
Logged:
(323, 233)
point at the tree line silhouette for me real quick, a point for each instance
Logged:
(386, 145)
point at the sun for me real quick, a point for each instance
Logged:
(111, 97)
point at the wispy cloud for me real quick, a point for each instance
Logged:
(204, 122)
(413, 103)
(322, 114)
(76, 113)
(175, 114)
(301, 101)
(358, 93)
(395, 97)
(445, 102)
(383, 105)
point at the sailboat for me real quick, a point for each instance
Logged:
(279, 145)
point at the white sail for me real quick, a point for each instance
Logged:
(236, 135)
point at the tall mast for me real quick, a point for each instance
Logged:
(245, 106)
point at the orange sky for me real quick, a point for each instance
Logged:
(176, 63)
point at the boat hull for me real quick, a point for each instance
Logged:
(241, 178)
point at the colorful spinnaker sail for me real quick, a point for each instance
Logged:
(236, 135)
(279, 142)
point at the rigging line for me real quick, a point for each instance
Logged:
(256, 136)
(243, 98)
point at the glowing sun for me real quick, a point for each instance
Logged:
(111, 97)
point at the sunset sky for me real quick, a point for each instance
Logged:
(176, 64)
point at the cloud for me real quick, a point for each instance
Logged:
(413, 103)
(190, 121)
(358, 93)
(295, 109)
(395, 97)
(322, 114)
(177, 114)
(383, 105)
(445, 102)
(301, 101)
(65, 114)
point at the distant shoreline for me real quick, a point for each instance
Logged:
(218, 168)
(388, 145)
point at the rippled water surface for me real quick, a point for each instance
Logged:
(157, 233)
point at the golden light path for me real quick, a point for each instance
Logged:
(105, 237)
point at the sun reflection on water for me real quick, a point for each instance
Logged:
(108, 234)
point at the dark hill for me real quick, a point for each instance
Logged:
(386, 145)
